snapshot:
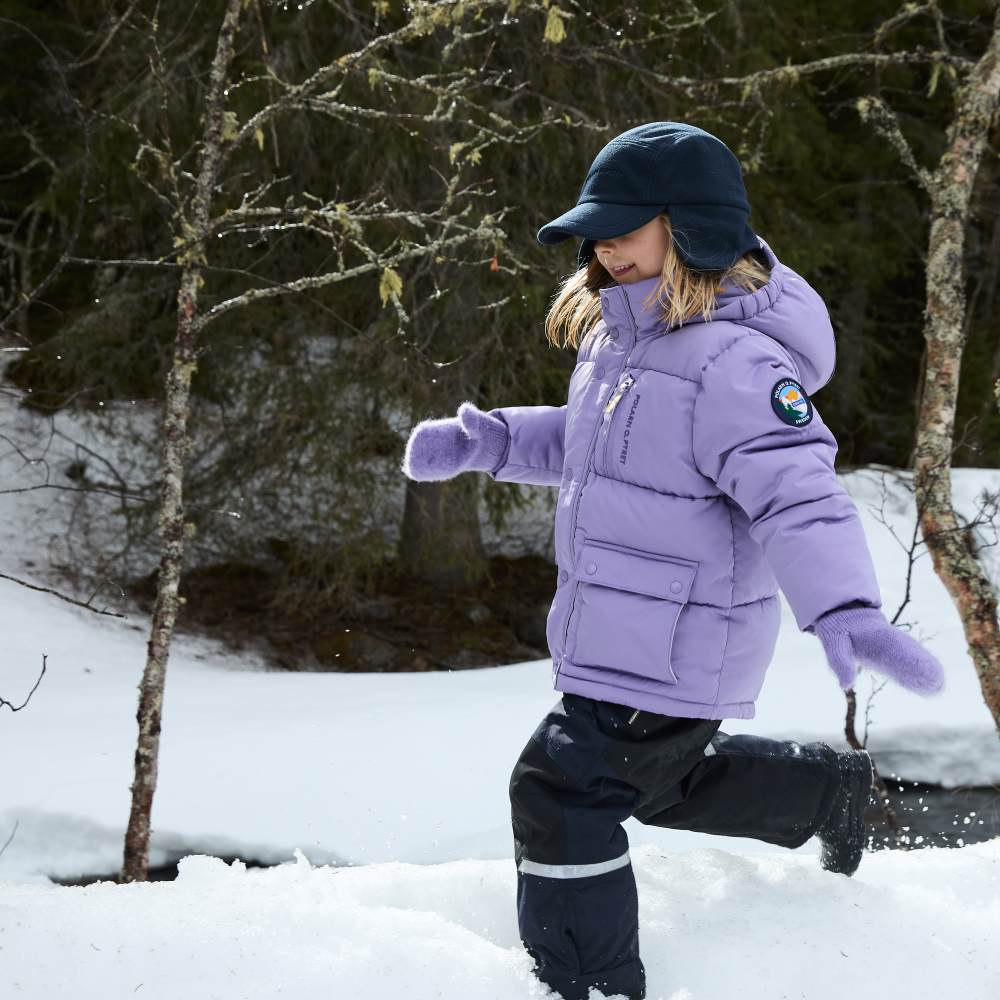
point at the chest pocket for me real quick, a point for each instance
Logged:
(646, 437)
(626, 609)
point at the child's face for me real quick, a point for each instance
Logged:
(644, 248)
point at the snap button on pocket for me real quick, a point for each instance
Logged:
(626, 610)
(563, 575)
(599, 372)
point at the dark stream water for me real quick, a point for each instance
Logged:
(930, 816)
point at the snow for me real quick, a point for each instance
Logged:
(926, 921)
(395, 787)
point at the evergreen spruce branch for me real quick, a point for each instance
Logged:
(27, 297)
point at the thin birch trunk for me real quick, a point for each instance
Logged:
(950, 190)
(175, 441)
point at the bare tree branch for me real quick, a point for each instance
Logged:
(790, 74)
(108, 39)
(10, 838)
(62, 597)
(878, 114)
(17, 708)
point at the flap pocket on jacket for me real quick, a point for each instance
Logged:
(625, 568)
(627, 607)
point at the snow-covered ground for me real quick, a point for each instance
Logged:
(713, 924)
(395, 787)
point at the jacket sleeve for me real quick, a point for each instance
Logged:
(782, 475)
(535, 447)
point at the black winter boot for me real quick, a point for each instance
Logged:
(843, 833)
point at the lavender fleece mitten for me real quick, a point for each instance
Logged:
(853, 633)
(441, 449)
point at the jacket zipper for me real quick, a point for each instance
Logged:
(609, 410)
(583, 482)
(616, 396)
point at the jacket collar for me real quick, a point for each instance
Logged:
(788, 309)
(620, 303)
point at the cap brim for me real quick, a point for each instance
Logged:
(597, 221)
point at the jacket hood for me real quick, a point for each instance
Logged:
(788, 309)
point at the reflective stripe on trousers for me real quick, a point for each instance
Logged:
(584, 771)
(572, 871)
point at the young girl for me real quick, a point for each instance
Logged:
(695, 477)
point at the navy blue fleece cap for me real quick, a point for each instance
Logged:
(663, 166)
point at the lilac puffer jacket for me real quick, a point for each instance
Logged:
(695, 478)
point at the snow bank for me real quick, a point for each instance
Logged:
(713, 924)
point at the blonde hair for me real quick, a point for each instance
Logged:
(681, 292)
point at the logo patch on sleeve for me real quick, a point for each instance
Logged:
(790, 402)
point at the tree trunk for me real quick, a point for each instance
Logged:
(950, 190)
(440, 542)
(175, 438)
(136, 861)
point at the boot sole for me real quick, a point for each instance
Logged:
(861, 780)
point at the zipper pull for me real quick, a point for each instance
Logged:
(623, 387)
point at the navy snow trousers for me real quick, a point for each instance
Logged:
(591, 764)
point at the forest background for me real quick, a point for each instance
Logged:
(377, 236)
